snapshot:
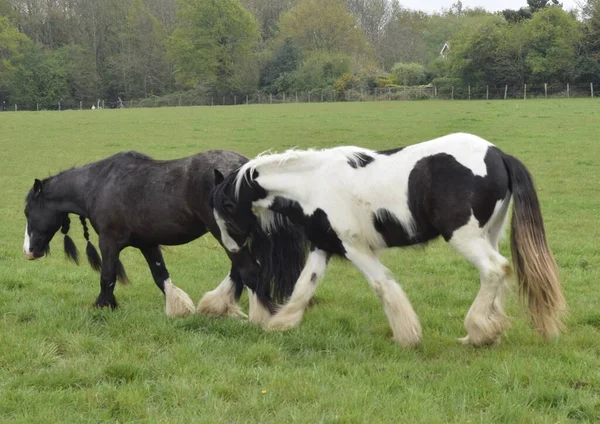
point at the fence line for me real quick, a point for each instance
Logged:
(444, 92)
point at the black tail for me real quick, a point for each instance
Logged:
(94, 257)
(281, 253)
(536, 269)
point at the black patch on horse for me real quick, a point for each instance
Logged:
(360, 160)
(442, 193)
(390, 228)
(491, 188)
(317, 226)
(390, 151)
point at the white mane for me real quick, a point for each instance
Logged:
(294, 158)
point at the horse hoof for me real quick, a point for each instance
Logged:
(483, 343)
(106, 303)
(282, 323)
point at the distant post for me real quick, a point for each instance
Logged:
(568, 91)
(524, 91)
(59, 105)
(322, 96)
(212, 103)
(246, 99)
(309, 97)
(223, 100)
(592, 89)
(469, 88)
(284, 97)
(102, 104)
(545, 90)
(235, 100)
(15, 107)
(296, 97)
(452, 96)
(271, 98)
(80, 105)
(389, 93)
(434, 91)
(38, 107)
(505, 91)
(361, 95)
(487, 92)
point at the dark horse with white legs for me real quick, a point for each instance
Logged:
(133, 200)
(354, 202)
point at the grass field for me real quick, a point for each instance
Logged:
(62, 361)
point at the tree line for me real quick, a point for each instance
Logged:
(84, 50)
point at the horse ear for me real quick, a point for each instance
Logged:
(37, 187)
(219, 178)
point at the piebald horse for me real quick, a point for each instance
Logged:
(354, 202)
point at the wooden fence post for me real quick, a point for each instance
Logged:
(505, 91)
(487, 92)
(525, 92)
(469, 92)
(592, 89)
(568, 91)
(452, 93)
(545, 90)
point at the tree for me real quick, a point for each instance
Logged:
(324, 25)
(41, 78)
(409, 73)
(212, 45)
(267, 13)
(13, 45)
(552, 35)
(286, 58)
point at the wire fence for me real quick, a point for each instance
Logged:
(447, 92)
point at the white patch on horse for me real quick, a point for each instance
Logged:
(157, 263)
(221, 301)
(27, 244)
(177, 302)
(229, 243)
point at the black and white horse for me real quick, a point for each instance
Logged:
(354, 202)
(132, 200)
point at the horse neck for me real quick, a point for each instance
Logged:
(67, 190)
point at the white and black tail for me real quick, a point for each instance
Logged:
(534, 264)
(281, 252)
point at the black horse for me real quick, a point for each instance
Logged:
(133, 200)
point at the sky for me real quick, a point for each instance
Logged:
(491, 5)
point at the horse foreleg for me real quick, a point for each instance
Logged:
(177, 302)
(222, 301)
(401, 316)
(108, 274)
(291, 313)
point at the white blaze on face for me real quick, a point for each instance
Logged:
(26, 244)
(229, 243)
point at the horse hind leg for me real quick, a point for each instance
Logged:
(486, 319)
(223, 300)
(401, 316)
(177, 302)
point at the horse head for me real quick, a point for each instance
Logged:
(43, 221)
(233, 210)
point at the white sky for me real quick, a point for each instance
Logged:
(491, 5)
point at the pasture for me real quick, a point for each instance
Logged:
(63, 361)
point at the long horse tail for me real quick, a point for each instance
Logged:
(535, 266)
(94, 257)
(281, 252)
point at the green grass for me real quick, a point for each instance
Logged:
(62, 361)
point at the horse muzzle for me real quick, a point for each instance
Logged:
(30, 256)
